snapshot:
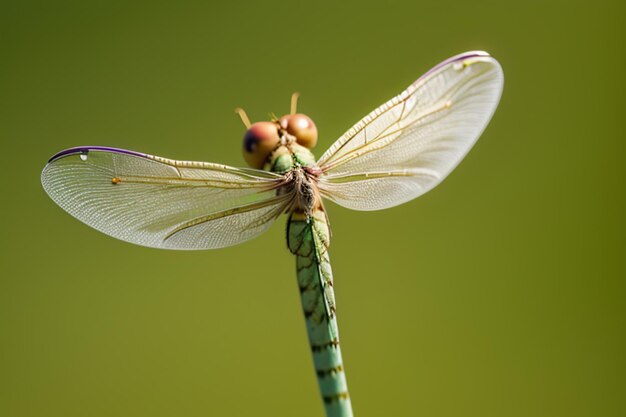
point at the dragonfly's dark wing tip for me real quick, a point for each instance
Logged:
(86, 149)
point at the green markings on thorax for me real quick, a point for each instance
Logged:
(309, 239)
(284, 159)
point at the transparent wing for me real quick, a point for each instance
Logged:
(162, 203)
(411, 143)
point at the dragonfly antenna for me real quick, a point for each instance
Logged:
(294, 102)
(244, 117)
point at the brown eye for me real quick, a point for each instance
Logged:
(302, 127)
(259, 142)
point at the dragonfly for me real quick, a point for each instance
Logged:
(396, 153)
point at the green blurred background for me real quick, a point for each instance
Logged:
(500, 293)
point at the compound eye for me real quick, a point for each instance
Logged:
(302, 127)
(259, 142)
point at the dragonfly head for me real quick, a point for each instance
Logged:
(263, 138)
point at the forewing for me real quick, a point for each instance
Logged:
(411, 143)
(162, 203)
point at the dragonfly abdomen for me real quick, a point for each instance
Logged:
(308, 238)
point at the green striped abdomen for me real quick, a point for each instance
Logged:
(309, 240)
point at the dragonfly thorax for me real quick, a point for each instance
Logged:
(301, 185)
(290, 156)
